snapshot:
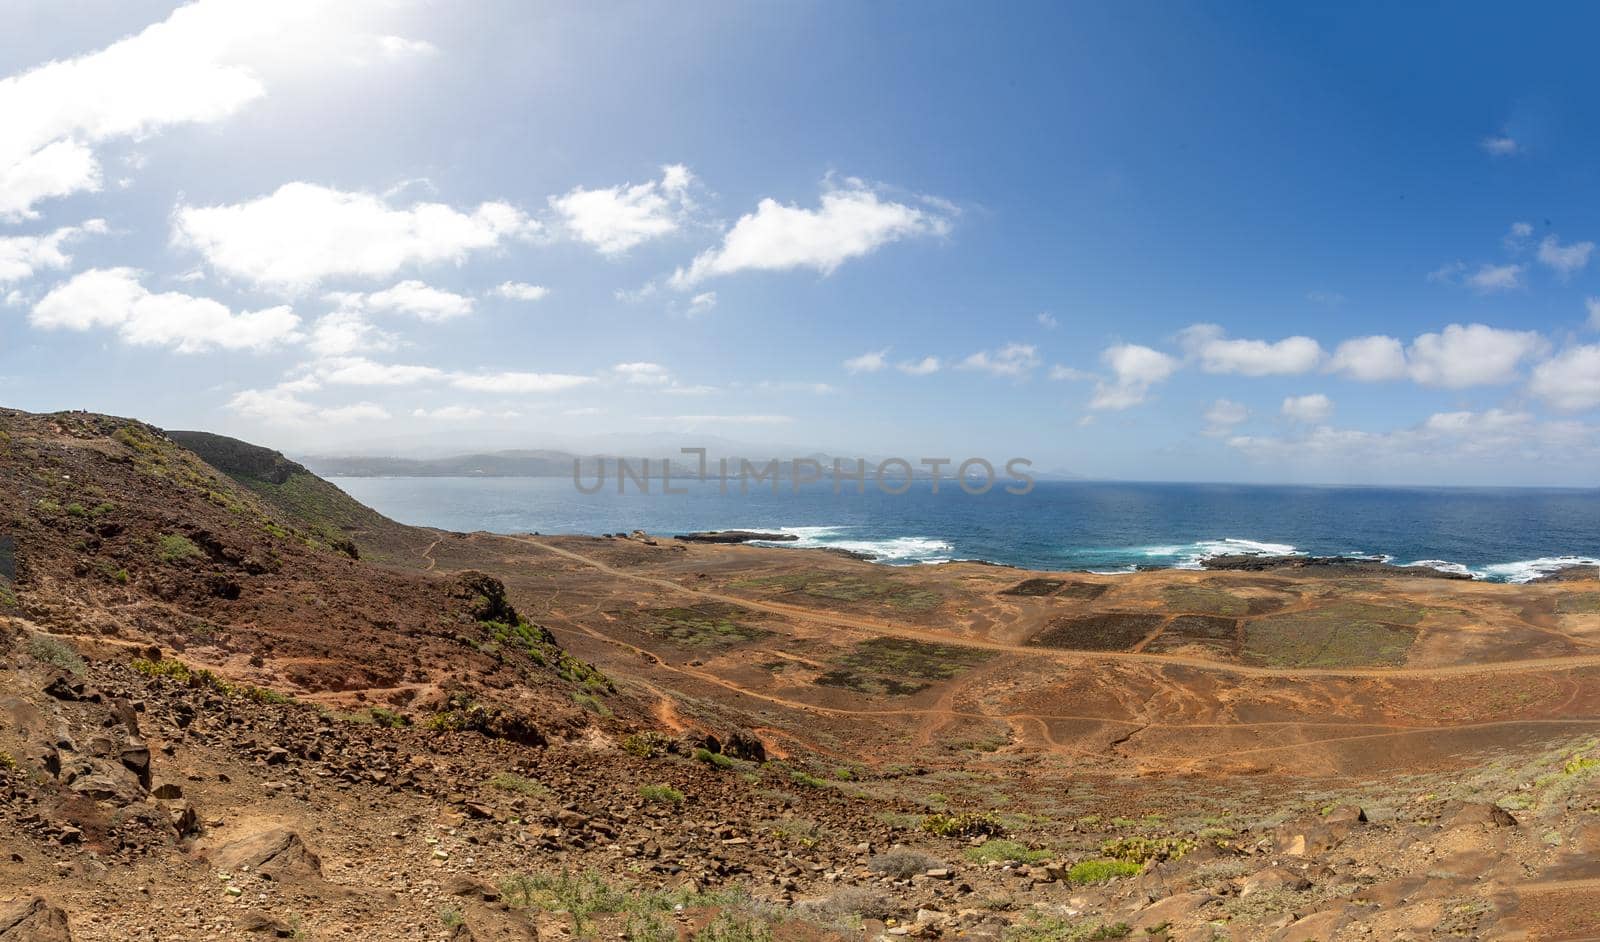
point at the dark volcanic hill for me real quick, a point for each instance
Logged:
(243, 561)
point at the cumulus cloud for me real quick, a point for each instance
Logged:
(868, 362)
(1442, 445)
(1570, 381)
(614, 219)
(1134, 370)
(851, 222)
(643, 374)
(1370, 359)
(1013, 359)
(1208, 344)
(22, 256)
(359, 371)
(1491, 278)
(1312, 408)
(400, 46)
(1564, 260)
(114, 298)
(519, 382)
(302, 234)
(1047, 320)
(521, 291)
(702, 302)
(1471, 355)
(409, 297)
(1516, 237)
(1223, 415)
(282, 405)
(199, 65)
(348, 331)
(922, 367)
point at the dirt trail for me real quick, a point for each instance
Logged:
(872, 626)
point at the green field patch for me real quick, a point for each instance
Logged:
(1108, 631)
(710, 624)
(834, 588)
(1033, 588)
(1212, 631)
(1205, 599)
(869, 683)
(920, 659)
(1350, 634)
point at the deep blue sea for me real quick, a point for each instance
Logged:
(1498, 534)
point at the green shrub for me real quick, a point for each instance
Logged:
(389, 718)
(1002, 850)
(731, 926)
(802, 777)
(48, 650)
(175, 548)
(7, 761)
(663, 793)
(1099, 871)
(1141, 850)
(76, 509)
(716, 759)
(645, 745)
(903, 863)
(580, 895)
(965, 824)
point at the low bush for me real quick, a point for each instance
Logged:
(903, 863)
(661, 793)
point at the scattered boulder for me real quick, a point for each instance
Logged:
(33, 920)
(1480, 813)
(278, 853)
(747, 746)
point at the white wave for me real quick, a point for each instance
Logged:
(900, 550)
(1527, 570)
(1443, 565)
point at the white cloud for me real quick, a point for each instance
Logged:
(1223, 415)
(518, 382)
(615, 219)
(359, 371)
(281, 405)
(851, 222)
(1370, 359)
(356, 412)
(414, 298)
(791, 385)
(868, 362)
(1447, 273)
(693, 420)
(1564, 260)
(1312, 408)
(1471, 355)
(1047, 320)
(1490, 278)
(114, 298)
(1013, 359)
(643, 374)
(1059, 372)
(1134, 370)
(348, 331)
(1593, 304)
(1571, 381)
(199, 65)
(22, 256)
(302, 234)
(702, 302)
(465, 414)
(1217, 354)
(521, 291)
(400, 46)
(1500, 145)
(922, 367)
(1516, 237)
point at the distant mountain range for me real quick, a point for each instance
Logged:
(540, 463)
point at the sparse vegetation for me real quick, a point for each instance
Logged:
(710, 624)
(1039, 926)
(965, 824)
(1141, 850)
(903, 863)
(56, 653)
(175, 548)
(1002, 850)
(715, 759)
(661, 793)
(1099, 871)
(646, 745)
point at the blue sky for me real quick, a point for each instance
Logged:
(1176, 241)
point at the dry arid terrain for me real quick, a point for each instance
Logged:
(236, 705)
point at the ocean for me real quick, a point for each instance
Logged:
(1499, 534)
